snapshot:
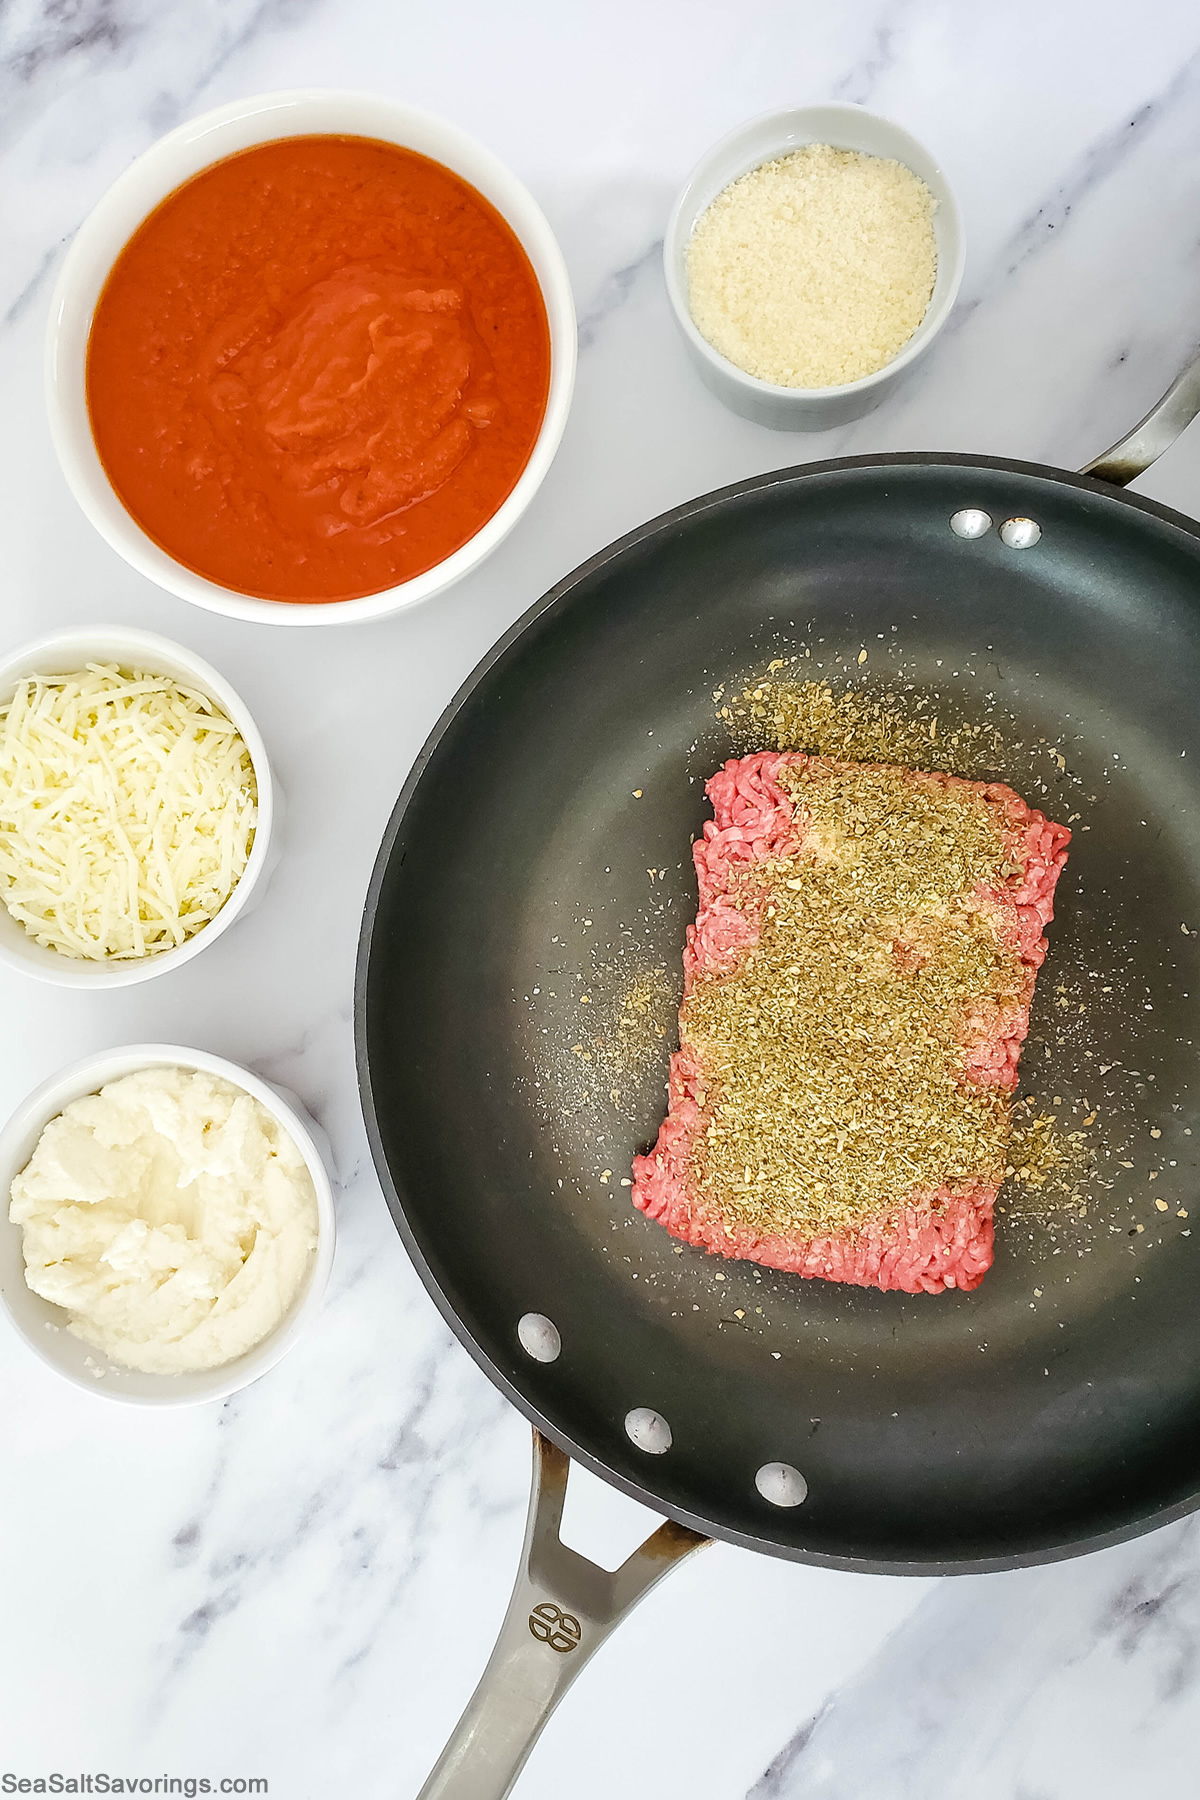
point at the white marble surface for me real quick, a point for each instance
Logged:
(302, 1584)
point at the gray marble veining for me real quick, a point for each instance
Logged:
(1079, 1679)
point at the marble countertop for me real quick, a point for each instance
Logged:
(302, 1584)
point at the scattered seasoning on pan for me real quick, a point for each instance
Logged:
(628, 1041)
(1041, 1155)
(794, 714)
(1051, 1174)
(610, 1046)
(837, 1065)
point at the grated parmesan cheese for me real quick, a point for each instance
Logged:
(814, 269)
(128, 806)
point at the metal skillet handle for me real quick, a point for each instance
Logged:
(562, 1609)
(1156, 432)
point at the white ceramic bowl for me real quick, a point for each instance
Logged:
(61, 654)
(164, 167)
(775, 134)
(43, 1326)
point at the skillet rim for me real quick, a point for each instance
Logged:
(641, 534)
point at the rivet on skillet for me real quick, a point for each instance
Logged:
(539, 1337)
(781, 1484)
(648, 1430)
(971, 522)
(1020, 534)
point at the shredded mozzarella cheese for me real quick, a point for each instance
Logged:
(128, 806)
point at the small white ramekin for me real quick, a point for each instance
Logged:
(63, 653)
(44, 1326)
(173, 160)
(845, 127)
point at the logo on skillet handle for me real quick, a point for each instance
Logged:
(551, 1625)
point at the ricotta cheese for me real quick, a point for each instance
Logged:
(171, 1216)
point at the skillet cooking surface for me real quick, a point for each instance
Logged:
(941, 1432)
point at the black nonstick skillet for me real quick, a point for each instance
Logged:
(930, 1435)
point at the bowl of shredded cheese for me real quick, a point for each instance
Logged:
(136, 807)
(810, 261)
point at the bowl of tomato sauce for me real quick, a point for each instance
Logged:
(310, 358)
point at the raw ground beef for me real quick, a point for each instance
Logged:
(936, 1239)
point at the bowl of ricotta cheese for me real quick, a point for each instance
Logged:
(167, 1228)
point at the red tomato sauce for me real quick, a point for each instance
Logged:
(318, 368)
